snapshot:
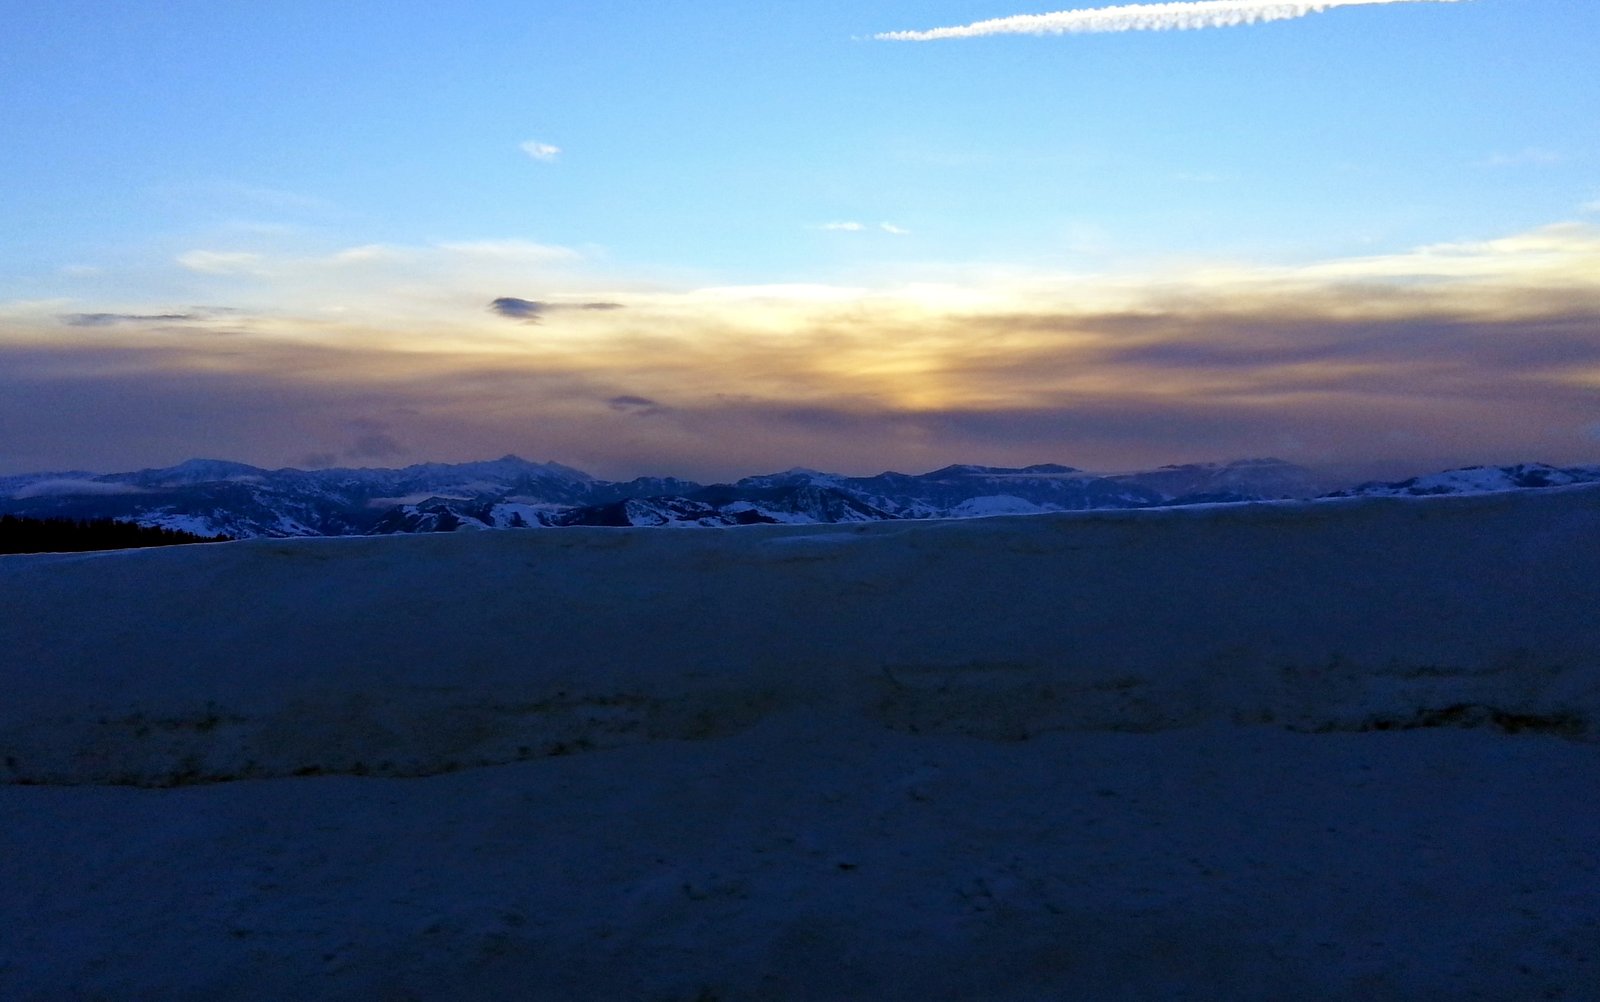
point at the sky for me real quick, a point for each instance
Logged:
(714, 239)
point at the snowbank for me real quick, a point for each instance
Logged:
(419, 655)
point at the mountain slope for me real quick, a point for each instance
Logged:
(209, 497)
(1477, 480)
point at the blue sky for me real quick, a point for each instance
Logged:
(355, 180)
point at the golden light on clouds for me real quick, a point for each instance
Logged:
(1493, 341)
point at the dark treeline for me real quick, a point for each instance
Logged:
(67, 535)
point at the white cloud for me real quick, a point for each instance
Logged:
(1593, 206)
(525, 251)
(1140, 17)
(1533, 156)
(852, 226)
(543, 152)
(393, 288)
(511, 250)
(1565, 255)
(367, 252)
(221, 262)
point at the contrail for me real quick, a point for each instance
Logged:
(1181, 15)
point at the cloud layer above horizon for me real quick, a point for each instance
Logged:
(1175, 16)
(1486, 351)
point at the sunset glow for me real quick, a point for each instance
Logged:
(832, 251)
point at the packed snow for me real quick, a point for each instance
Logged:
(1337, 750)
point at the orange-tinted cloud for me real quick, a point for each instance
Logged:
(1447, 354)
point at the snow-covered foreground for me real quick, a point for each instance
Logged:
(1319, 750)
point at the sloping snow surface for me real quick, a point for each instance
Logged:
(1331, 750)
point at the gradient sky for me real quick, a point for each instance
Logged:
(719, 238)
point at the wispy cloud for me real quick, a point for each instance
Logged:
(852, 226)
(67, 487)
(508, 250)
(1484, 351)
(266, 197)
(542, 152)
(108, 319)
(1140, 17)
(221, 262)
(1532, 156)
(404, 283)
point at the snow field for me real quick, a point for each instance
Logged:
(418, 655)
(1334, 750)
(808, 859)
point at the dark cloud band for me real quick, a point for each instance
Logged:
(111, 319)
(532, 310)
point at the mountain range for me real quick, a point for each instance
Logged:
(212, 497)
